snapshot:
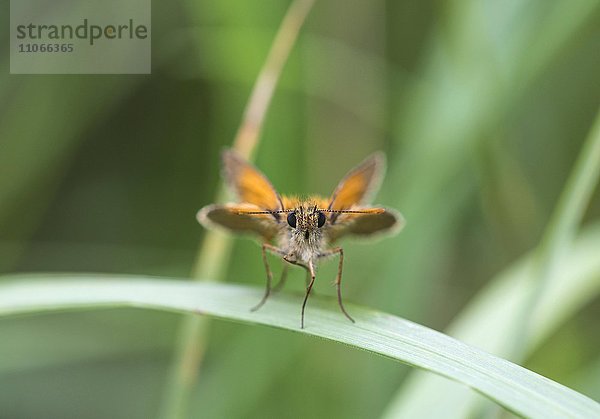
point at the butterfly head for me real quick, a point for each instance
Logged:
(306, 222)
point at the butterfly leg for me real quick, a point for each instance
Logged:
(310, 280)
(338, 279)
(282, 279)
(265, 247)
(293, 262)
(311, 270)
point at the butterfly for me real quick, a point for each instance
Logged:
(302, 231)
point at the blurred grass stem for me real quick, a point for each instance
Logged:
(213, 255)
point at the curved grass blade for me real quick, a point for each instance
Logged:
(512, 386)
(490, 317)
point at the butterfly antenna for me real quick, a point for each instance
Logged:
(367, 211)
(263, 212)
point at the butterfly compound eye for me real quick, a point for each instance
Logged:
(291, 219)
(321, 219)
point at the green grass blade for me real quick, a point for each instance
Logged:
(490, 317)
(514, 387)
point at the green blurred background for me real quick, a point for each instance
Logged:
(480, 106)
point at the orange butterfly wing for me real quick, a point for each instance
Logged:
(359, 184)
(249, 183)
(356, 189)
